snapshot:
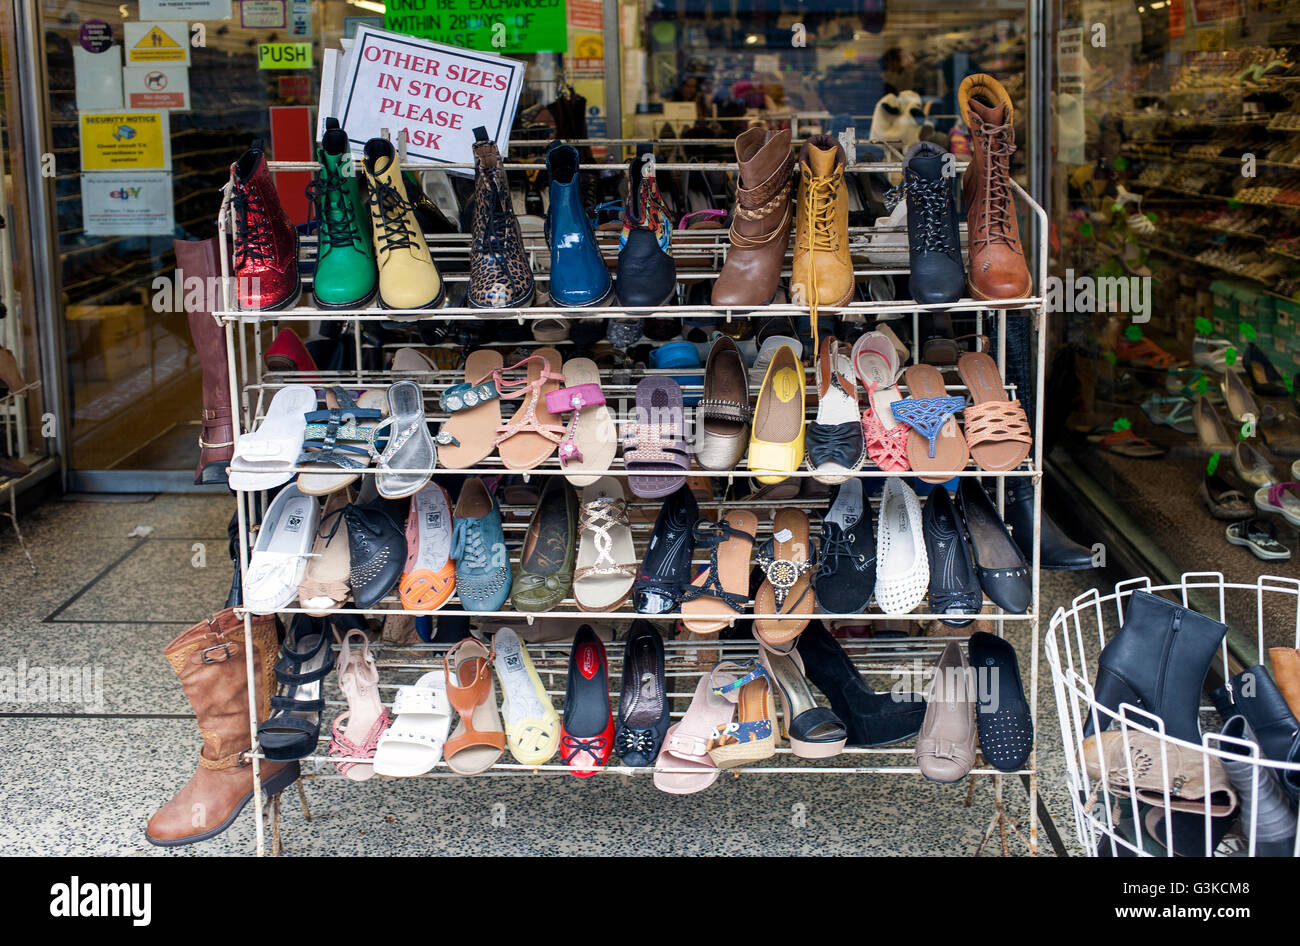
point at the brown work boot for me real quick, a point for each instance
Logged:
(209, 660)
(760, 226)
(822, 273)
(997, 262)
(199, 259)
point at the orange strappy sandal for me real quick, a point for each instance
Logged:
(533, 432)
(997, 430)
(479, 738)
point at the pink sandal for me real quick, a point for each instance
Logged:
(359, 681)
(887, 447)
(533, 433)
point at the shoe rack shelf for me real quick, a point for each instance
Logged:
(884, 660)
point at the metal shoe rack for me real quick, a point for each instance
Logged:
(699, 255)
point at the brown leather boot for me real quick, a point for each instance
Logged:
(199, 258)
(1286, 671)
(209, 660)
(760, 226)
(822, 273)
(997, 262)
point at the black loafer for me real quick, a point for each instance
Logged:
(666, 569)
(1001, 567)
(1006, 729)
(846, 571)
(643, 716)
(954, 586)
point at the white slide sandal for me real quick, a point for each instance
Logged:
(413, 744)
(280, 555)
(261, 453)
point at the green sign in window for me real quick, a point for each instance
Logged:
(499, 26)
(284, 56)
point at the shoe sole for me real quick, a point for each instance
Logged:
(603, 300)
(272, 786)
(336, 306)
(523, 303)
(1257, 551)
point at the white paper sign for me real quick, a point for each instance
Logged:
(98, 77)
(156, 86)
(185, 10)
(157, 44)
(128, 204)
(437, 94)
(299, 17)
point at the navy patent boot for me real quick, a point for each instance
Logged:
(647, 275)
(579, 276)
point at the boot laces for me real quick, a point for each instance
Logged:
(999, 143)
(929, 199)
(393, 211)
(467, 545)
(254, 242)
(332, 209)
(491, 238)
(819, 194)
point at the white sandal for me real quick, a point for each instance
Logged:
(412, 745)
(279, 558)
(263, 458)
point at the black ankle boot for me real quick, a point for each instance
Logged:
(1060, 552)
(1253, 694)
(872, 719)
(1158, 662)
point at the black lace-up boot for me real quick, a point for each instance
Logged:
(933, 240)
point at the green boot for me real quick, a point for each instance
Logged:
(346, 275)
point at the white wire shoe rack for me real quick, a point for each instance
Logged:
(699, 255)
(1109, 820)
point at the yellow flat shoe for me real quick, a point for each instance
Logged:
(532, 724)
(776, 438)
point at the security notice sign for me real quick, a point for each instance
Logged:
(157, 87)
(125, 140)
(127, 204)
(437, 94)
(149, 43)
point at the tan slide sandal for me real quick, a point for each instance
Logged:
(788, 586)
(533, 432)
(935, 445)
(996, 428)
(467, 437)
(725, 583)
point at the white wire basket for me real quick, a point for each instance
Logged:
(1111, 820)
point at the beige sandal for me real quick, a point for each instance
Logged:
(725, 583)
(324, 587)
(533, 432)
(467, 436)
(591, 439)
(997, 430)
(607, 561)
(787, 589)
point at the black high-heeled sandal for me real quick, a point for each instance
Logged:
(292, 731)
(1264, 377)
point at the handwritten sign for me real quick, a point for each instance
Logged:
(437, 94)
(502, 26)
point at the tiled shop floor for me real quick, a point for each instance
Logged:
(84, 777)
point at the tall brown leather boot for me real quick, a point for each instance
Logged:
(1286, 671)
(997, 262)
(760, 226)
(821, 273)
(209, 660)
(199, 258)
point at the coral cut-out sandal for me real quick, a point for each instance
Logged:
(429, 577)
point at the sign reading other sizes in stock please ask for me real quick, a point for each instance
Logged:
(504, 26)
(436, 94)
